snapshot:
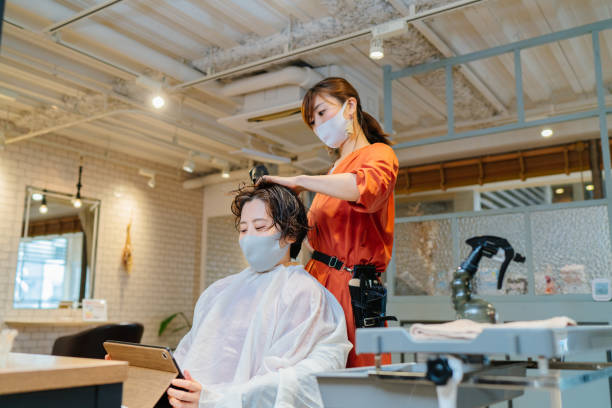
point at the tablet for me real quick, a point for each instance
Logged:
(151, 371)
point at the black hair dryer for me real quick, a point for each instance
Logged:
(480, 310)
(258, 172)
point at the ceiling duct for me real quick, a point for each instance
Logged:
(272, 104)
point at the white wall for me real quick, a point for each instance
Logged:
(166, 236)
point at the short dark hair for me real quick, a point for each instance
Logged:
(283, 205)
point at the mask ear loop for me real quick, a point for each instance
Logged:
(349, 129)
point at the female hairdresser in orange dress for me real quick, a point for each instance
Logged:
(352, 215)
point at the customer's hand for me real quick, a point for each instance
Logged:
(189, 398)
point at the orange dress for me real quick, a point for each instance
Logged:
(359, 232)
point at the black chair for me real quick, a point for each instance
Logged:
(88, 343)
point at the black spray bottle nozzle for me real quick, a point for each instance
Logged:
(489, 246)
(258, 172)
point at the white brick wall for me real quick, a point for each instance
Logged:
(166, 236)
(223, 254)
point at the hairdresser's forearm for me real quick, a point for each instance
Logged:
(342, 186)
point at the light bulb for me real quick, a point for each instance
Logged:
(590, 187)
(158, 101)
(43, 206)
(546, 132)
(189, 165)
(560, 191)
(77, 203)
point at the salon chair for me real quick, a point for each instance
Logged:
(88, 343)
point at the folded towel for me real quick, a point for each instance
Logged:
(467, 329)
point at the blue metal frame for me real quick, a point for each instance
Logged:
(449, 63)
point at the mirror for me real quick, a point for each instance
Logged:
(57, 250)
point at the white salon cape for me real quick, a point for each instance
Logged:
(257, 338)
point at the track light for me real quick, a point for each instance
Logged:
(150, 174)
(376, 48)
(151, 182)
(158, 101)
(225, 173)
(43, 209)
(189, 164)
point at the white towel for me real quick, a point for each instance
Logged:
(467, 329)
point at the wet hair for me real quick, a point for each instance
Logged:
(282, 204)
(341, 89)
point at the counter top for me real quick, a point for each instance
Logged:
(56, 322)
(38, 372)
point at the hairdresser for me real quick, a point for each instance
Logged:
(352, 214)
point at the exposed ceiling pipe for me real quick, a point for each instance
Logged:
(66, 125)
(347, 38)
(77, 17)
(302, 76)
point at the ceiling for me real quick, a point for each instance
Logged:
(86, 70)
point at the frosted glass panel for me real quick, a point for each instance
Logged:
(423, 253)
(508, 226)
(570, 247)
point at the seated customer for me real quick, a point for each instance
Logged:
(258, 335)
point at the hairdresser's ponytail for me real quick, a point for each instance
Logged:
(371, 128)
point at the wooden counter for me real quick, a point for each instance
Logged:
(29, 379)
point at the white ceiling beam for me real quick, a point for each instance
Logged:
(288, 8)
(244, 19)
(564, 64)
(482, 22)
(467, 72)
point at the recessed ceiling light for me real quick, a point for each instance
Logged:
(560, 191)
(546, 132)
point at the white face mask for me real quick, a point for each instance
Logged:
(262, 252)
(336, 130)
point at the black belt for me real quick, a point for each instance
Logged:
(330, 261)
(334, 262)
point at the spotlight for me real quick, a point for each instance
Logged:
(560, 191)
(37, 196)
(590, 187)
(158, 101)
(43, 209)
(189, 164)
(546, 132)
(225, 173)
(376, 48)
(150, 174)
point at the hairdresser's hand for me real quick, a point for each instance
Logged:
(188, 398)
(291, 182)
(107, 357)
